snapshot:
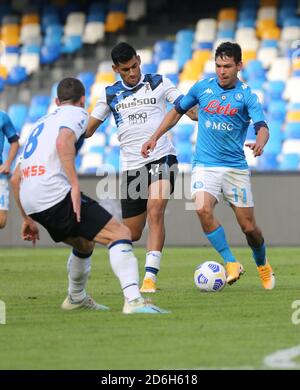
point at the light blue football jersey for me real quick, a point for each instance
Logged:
(223, 119)
(6, 130)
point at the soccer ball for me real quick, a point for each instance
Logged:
(210, 276)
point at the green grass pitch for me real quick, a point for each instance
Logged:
(235, 328)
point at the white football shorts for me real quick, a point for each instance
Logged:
(233, 184)
(4, 194)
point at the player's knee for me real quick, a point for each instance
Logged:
(136, 235)
(3, 220)
(122, 232)
(155, 215)
(205, 213)
(86, 247)
(248, 228)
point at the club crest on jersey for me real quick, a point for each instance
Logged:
(215, 107)
(239, 96)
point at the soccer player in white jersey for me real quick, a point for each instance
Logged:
(219, 165)
(47, 190)
(138, 103)
(6, 130)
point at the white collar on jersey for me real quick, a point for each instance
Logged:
(141, 81)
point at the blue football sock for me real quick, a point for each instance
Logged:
(259, 254)
(218, 240)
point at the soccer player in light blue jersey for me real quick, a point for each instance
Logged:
(6, 130)
(226, 106)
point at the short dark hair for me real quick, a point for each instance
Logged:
(229, 49)
(122, 53)
(70, 89)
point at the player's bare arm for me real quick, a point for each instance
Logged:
(65, 145)
(193, 113)
(93, 125)
(261, 139)
(168, 122)
(29, 230)
(5, 167)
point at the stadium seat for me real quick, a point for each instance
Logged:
(17, 75)
(18, 114)
(268, 162)
(93, 32)
(30, 61)
(289, 162)
(136, 10)
(115, 21)
(90, 162)
(71, 44)
(49, 54)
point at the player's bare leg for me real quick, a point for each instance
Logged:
(3, 218)
(136, 225)
(205, 204)
(246, 219)
(159, 193)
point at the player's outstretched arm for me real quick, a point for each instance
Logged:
(261, 139)
(65, 146)
(168, 122)
(93, 125)
(29, 230)
(5, 167)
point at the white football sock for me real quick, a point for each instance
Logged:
(78, 272)
(152, 266)
(125, 266)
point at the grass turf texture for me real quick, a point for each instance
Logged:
(234, 328)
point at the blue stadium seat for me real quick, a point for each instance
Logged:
(273, 146)
(71, 44)
(268, 162)
(245, 23)
(96, 17)
(269, 43)
(226, 34)
(2, 84)
(275, 128)
(274, 90)
(291, 21)
(174, 77)
(17, 75)
(18, 114)
(183, 132)
(87, 79)
(184, 152)
(55, 30)
(162, 50)
(277, 110)
(38, 107)
(49, 54)
(292, 130)
(185, 36)
(255, 70)
(149, 68)
(204, 45)
(289, 162)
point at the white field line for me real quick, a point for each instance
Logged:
(283, 358)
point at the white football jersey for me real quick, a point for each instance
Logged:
(138, 111)
(44, 182)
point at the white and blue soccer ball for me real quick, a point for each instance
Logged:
(210, 276)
